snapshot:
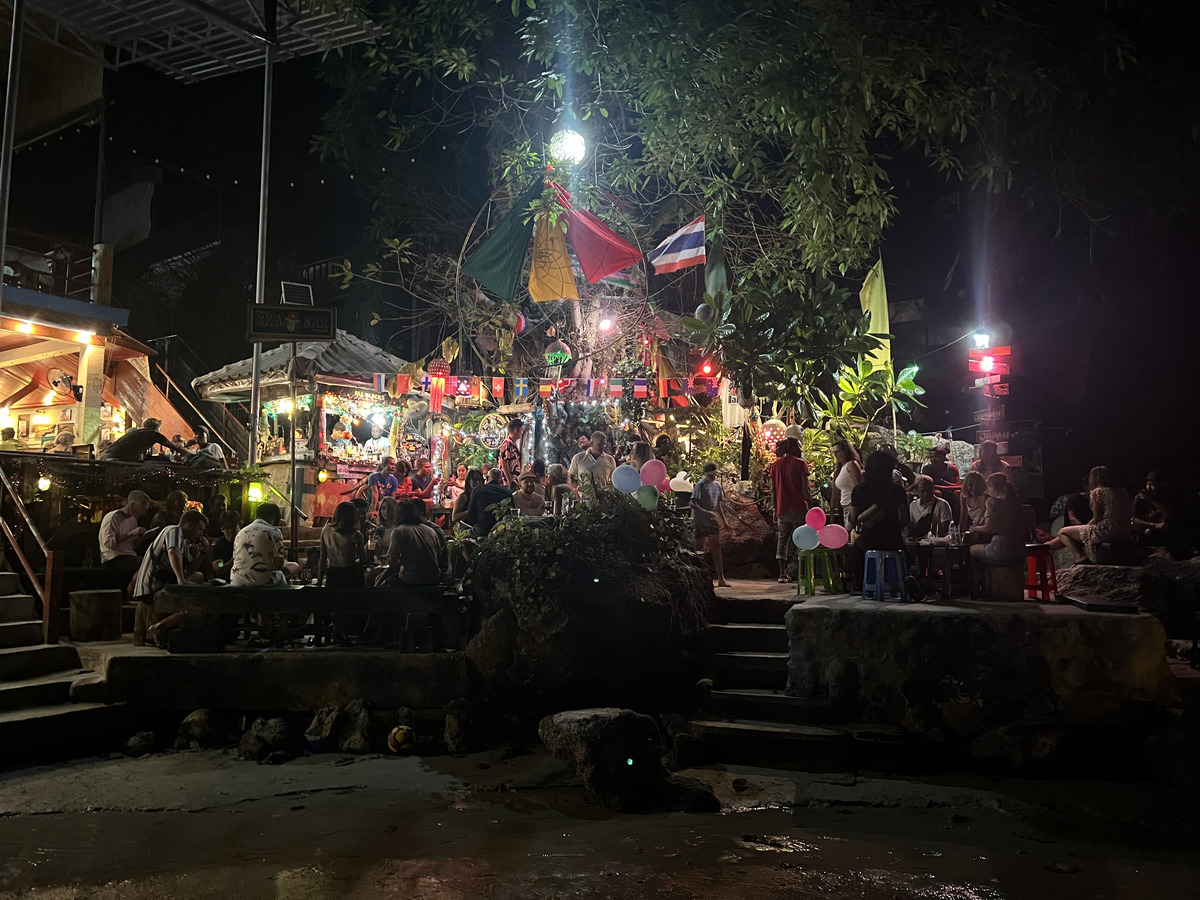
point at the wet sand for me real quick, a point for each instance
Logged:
(205, 824)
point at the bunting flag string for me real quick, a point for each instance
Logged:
(474, 387)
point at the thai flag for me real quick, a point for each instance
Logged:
(682, 249)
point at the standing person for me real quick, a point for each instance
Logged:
(879, 509)
(382, 482)
(481, 513)
(120, 535)
(378, 442)
(592, 464)
(1112, 518)
(989, 461)
(793, 496)
(557, 486)
(640, 454)
(509, 455)
(132, 446)
(709, 518)
(462, 503)
(258, 556)
(847, 475)
(343, 554)
(214, 511)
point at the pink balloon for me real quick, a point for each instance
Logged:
(664, 487)
(815, 518)
(654, 472)
(834, 536)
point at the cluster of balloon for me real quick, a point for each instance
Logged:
(646, 485)
(817, 532)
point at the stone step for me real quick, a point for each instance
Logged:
(783, 744)
(765, 611)
(28, 662)
(62, 731)
(44, 690)
(766, 638)
(769, 706)
(747, 670)
(10, 583)
(20, 634)
(17, 608)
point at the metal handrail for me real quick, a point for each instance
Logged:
(33, 529)
(188, 400)
(25, 563)
(50, 583)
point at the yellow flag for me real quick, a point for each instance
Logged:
(873, 298)
(550, 276)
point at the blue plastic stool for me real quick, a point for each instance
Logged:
(876, 578)
(806, 572)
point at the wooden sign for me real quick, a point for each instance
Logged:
(989, 365)
(993, 412)
(290, 324)
(1015, 461)
(995, 390)
(998, 432)
(988, 379)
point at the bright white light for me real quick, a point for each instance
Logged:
(84, 337)
(568, 146)
(982, 339)
(25, 327)
(377, 420)
(48, 399)
(285, 406)
(43, 483)
(987, 364)
(605, 324)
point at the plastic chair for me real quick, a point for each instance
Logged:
(806, 571)
(1041, 579)
(876, 579)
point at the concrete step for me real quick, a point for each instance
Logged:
(766, 638)
(777, 743)
(17, 608)
(765, 611)
(62, 731)
(29, 662)
(10, 583)
(20, 634)
(44, 690)
(769, 706)
(747, 670)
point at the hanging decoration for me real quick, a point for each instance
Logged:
(558, 354)
(550, 276)
(492, 430)
(439, 371)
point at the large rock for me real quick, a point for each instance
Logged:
(204, 728)
(955, 673)
(1165, 588)
(617, 753)
(749, 538)
(271, 740)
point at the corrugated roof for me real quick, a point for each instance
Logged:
(346, 358)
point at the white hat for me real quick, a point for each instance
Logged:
(794, 431)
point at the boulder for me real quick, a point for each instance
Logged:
(358, 732)
(203, 727)
(1001, 681)
(140, 744)
(1165, 588)
(271, 740)
(750, 538)
(617, 753)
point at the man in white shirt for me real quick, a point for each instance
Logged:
(258, 557)
(593, 463)
(379, 442)
(120, 534)
(208, 453)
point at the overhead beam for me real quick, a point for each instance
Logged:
(39, 350)
(226, 21)
(19, 395)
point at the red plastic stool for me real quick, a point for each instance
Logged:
(1041, 581)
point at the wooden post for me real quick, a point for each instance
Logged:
(102, 266)
(91, 377)
(51, 597)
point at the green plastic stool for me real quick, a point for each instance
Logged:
(807, 571)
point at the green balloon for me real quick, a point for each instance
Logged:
(647, 495)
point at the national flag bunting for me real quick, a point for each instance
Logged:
(451, 385)
(498, 388)
(379, 383)
(564, 384)
(616, 387)
(640, 389)
(591, 386)
(682, 249)
(403, 384)
(425, 384)
(520, 388)
(545, 387)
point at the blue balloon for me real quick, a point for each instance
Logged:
(626, 479)
(806, 538)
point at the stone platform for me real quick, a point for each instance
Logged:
(273, 679)
(979, 672)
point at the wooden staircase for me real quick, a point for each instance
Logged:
(744, 714)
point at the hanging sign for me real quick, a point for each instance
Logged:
(995, 390)
(985, 415)
(290, 324)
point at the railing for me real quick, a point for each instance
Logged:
(47, 584)
(216, 432)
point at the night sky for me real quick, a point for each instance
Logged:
(1099, 317)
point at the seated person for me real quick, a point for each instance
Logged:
(64, 443)
(972, 501)
(177, 556)
(1112, 515)
(999, 539)
(416, 551)
(176, 503)
(343, 554)
(8, 440)
(529, 499)
(482, 513)
(471, 482)
(939, 470)
(221, 553)
(207, 453)
(132, 446)
(258, 557)
(121, 535)
(1151, 512)
(927, 513)
(422, 479)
